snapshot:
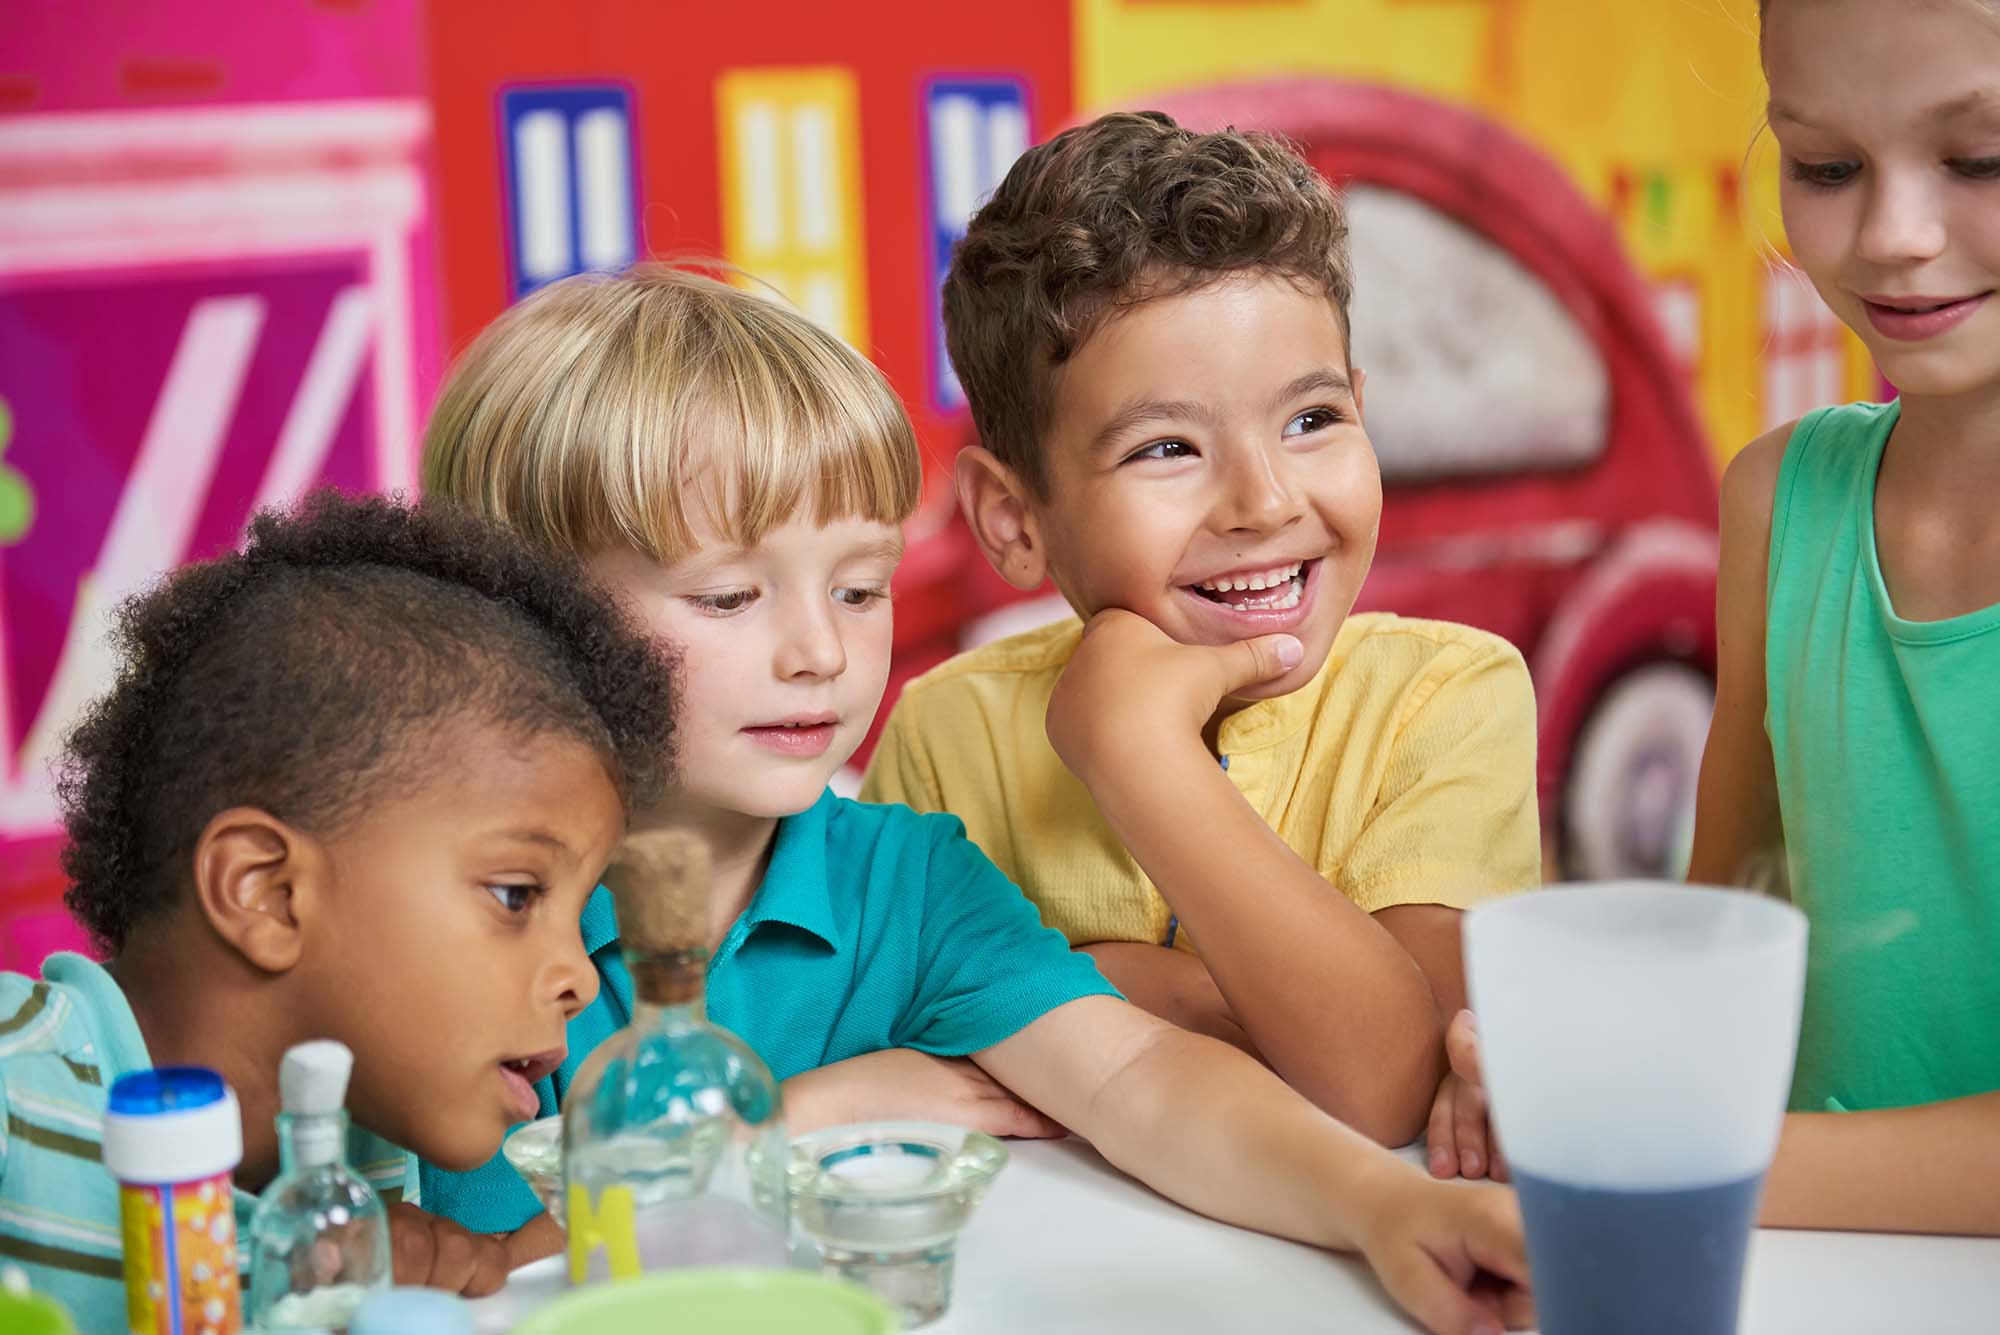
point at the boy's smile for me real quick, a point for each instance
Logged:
(1208, 470)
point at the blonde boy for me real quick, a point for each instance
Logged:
(1151, 328)
(740, 476)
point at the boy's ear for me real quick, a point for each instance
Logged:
(995, 502)
(1359, 377)
(253, 875)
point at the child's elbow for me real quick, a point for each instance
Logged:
(1392, 1117)
(1390, 1103)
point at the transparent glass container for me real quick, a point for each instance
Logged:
(319, 1241)
(673, 1136)
(883, 1204)
(536, 1152)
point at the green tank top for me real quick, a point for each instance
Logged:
(1886, 737)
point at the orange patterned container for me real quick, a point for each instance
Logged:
(171, 1138)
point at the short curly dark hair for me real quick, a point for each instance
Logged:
(304, 674)
(1124, 209)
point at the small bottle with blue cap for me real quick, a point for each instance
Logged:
(319, 1242)
(172, 1139)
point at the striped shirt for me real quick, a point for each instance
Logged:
(63, 1039)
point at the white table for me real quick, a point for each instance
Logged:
(1065, 1245)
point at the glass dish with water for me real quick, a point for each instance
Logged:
(882, 1204)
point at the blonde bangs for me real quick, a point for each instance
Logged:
(643, 409)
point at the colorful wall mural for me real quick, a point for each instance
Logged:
(238, 245)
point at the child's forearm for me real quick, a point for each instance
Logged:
(1208, 1127)
(1328, 997)
(1928, 1169)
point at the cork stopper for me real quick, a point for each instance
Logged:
(660, 882)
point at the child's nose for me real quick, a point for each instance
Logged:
(1258, 495)
(575, 980)
(1904, 220)
(811, 646)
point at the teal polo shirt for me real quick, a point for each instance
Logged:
(875, 927)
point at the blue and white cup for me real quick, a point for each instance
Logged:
(1637, 1042)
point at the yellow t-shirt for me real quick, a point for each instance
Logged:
(1404, 771)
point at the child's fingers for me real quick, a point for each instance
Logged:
(412, 1245)
(489, 1271)
(1461, 1045)
(1517, 1309)
(454, 1259)
(1469, 1129)
(1248, 662)
(1442, 1144)
(1434, 1298)
(1494, 1238)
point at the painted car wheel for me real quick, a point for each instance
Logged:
(1628, 807)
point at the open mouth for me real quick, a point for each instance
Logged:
(1274, 589)
(519, 1075)
(538, 1066)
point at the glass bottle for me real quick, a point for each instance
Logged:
(319, 1240)
(673, 1130)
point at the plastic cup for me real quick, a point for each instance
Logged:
(715, 1302)
(1638, 1042)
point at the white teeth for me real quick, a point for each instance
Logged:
(1267, 579)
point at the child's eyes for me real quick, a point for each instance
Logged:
(723, 603)
(858, 596)
(1162, 449)
(1977, 169)
(1822, 175)
(516, 898)
(1311, 420)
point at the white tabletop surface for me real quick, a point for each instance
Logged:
(1065, 1244)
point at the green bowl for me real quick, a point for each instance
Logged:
(715, 1302)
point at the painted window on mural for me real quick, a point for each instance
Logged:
(973, 131)
(791, 189)
(570, 188)
(1473, 365)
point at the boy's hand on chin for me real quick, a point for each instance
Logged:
(1454, 1256)
(902, 1083)
(1131, 686)
(435, 1253)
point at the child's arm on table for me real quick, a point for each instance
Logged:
(1928, 1169)
(904, 1083)
(1215, 1131)
(1934, 1168)
(1328, 995)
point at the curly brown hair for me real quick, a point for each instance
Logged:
(1125, 209)
(310, 673)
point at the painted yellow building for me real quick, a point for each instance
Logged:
(1654, 109)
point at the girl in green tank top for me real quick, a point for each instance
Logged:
(1857, 722)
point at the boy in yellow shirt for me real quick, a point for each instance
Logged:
(1260, 815)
